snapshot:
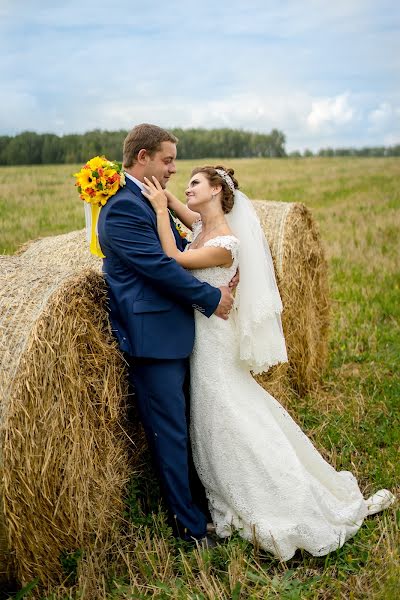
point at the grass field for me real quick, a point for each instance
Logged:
(353, 419)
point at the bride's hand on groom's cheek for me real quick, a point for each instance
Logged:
(155, 194)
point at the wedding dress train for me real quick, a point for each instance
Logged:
(262, 475)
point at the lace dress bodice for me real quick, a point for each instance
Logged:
(217, 276)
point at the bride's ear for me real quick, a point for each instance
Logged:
(216, 190)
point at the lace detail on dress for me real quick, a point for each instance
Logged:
(229, 242)
(266, 325)
(217, 276)
(261, 473)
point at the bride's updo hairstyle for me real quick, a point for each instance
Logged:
(222, 176)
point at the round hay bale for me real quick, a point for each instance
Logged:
(4, 550)
(302, 276)
(63, 453)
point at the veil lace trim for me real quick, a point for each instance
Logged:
(258, 302)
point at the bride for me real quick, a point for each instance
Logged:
(262, 475)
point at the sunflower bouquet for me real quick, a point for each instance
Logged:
(97, 181)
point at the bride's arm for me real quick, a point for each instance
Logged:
(194, 259)
(202, 258)
(184, 214)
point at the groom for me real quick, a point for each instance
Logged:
(151, 302)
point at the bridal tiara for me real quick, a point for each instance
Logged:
(226, 178)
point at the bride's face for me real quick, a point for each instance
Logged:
(199, 192)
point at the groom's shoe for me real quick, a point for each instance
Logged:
(210, 528)
(206, 543)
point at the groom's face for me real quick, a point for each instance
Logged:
(162, 163)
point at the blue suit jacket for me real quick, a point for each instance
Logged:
(151, 297)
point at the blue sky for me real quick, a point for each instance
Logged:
(325, 73)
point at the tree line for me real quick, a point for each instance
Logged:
(47, 148)
(366, 151)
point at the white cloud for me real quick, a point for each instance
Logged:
(254, 111)
(384, 122)
(330, 112)
(380, 117)
(258, 66)
(18, 105)
(391, 139)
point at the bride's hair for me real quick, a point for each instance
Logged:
(215, 178)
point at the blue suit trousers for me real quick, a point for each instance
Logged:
(160, 398)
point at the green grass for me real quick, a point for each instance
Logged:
(353, 419)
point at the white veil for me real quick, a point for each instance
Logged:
(258, 302)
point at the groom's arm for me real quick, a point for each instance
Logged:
(132, 236)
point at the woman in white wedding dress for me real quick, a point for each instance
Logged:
(262, 475)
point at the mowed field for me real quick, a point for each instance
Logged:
(353, 418)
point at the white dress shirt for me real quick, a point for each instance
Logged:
(138, 183)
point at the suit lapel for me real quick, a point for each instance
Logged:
(133, 187)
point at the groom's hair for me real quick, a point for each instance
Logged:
(145, 136)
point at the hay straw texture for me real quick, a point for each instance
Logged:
(302, 276)
(63, 453)
(4, 552)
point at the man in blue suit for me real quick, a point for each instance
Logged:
(151, 303)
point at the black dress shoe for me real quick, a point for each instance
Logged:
(207, 542)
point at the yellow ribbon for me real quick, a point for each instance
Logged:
(94, 240)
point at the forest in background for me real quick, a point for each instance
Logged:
(34, 148)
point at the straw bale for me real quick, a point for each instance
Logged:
(63, 452)
(4, 550)
(302, 276)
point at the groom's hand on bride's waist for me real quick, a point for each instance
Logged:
(234, 282)
(225, 304)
